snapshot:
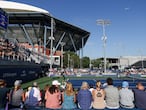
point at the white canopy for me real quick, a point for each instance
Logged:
(9, 6)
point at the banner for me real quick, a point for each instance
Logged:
(3, 19)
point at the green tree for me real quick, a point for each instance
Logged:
(97, 63)
(71, 59)
(85, 62)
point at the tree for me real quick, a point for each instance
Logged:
(71, 60)
(97, 63)
(85, 62)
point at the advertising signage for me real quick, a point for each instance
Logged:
(3, 19)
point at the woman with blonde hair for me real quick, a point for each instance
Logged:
(98, 95)
(84, 97)
(69, 97)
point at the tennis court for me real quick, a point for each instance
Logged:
(117, 82)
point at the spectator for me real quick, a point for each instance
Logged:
(69, 97)
(34, 98)
(84, 97)
(63, 75)
(17, 96)
(140, 86)
(98, 97)
(53, 96)
(140, 96)
(91, 88)
(4, 92)
(111, 95)
(56, 83)
(104, 85)
(126, 96)
(27, 95)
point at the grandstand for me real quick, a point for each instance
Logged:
(35, 26)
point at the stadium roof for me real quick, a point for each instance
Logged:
(10, 6)
(26, 24)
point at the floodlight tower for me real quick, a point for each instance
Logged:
(62, 45)
(51, 45)
(104, 38)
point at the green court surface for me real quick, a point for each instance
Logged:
(48, 80)
(41, 82)
(77, 81)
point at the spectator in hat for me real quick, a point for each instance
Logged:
(17, 96)
(53, 96)
(56, 83)
(126, 96)
(34, 98)
(4, 92)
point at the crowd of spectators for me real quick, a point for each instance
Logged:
(14, 51)
(7, 48)
(107, 97)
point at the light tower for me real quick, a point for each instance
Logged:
(62, 45)
(104, 38)
(51, 45)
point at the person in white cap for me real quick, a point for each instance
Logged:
(56, 83)
(53, 96)
(126, 96)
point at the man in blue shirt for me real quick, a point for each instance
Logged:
(84, 97)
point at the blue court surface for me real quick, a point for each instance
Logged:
(117, 82)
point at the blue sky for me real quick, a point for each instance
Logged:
(126, 35)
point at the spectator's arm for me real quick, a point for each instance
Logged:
(74, 97)
(23, 96)
(62, 96)
(93, 94)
